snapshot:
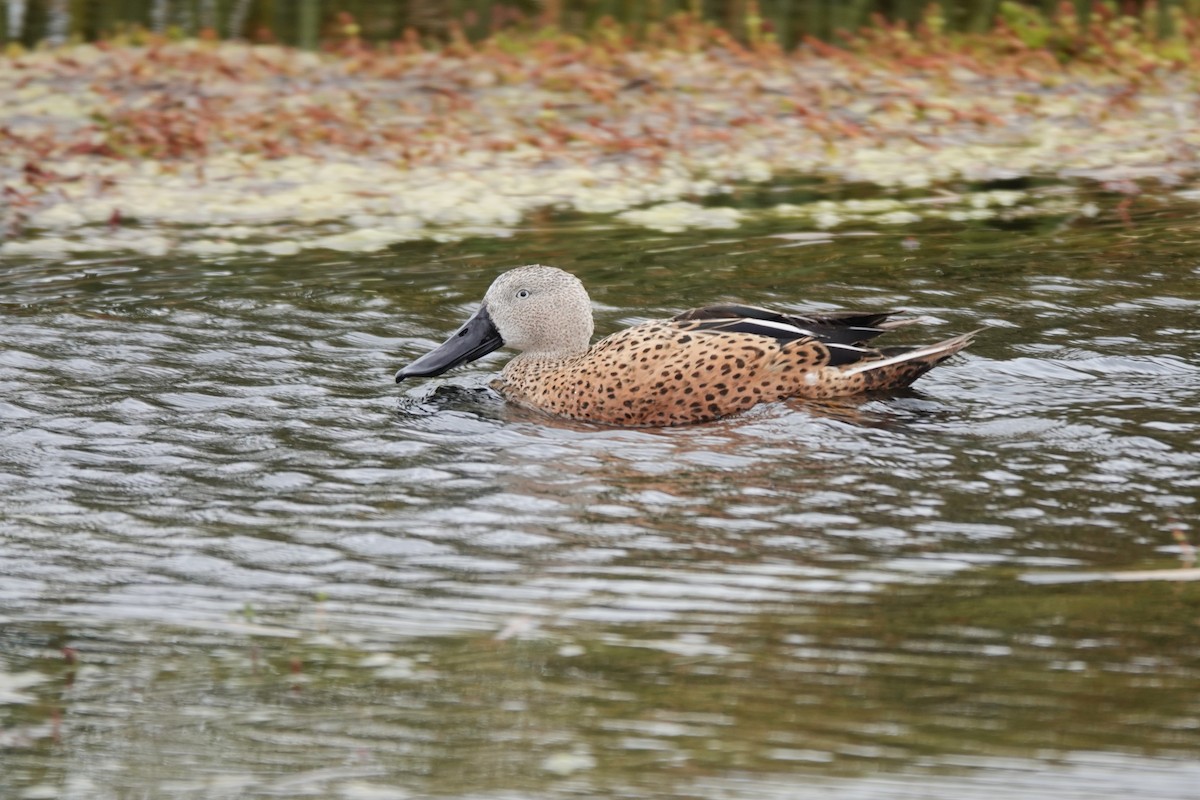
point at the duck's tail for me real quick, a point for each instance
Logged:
(900, 366)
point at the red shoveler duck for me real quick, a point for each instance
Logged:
(698, 366)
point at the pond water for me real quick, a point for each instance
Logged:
(237, 561)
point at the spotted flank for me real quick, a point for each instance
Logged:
(701, 365)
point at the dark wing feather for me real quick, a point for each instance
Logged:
(842, 354)
(840, 327)
(734, 311)
(780, 331)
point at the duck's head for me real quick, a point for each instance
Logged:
(539, 311)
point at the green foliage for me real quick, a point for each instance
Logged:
(1033, 29)
(1062, 28)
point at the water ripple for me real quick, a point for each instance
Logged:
(210, 487)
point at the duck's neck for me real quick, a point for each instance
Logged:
(539, 360)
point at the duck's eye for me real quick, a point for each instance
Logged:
(522, 293)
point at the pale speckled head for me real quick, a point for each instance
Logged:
(542, 312)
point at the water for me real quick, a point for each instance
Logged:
(237, 561)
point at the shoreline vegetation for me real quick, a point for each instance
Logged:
(152, 144)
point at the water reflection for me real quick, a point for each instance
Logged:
(236, 562)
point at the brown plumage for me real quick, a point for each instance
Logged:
(698, 366)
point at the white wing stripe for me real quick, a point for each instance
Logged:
(791, 330)
(885, 362)
(850, 347)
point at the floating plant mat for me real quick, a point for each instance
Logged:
(217, 149)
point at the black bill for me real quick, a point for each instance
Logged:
(475, 339)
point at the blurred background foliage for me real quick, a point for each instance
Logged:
(306, 23)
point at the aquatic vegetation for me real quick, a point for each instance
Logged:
(217, 149)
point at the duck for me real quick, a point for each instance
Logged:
(698, 366)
